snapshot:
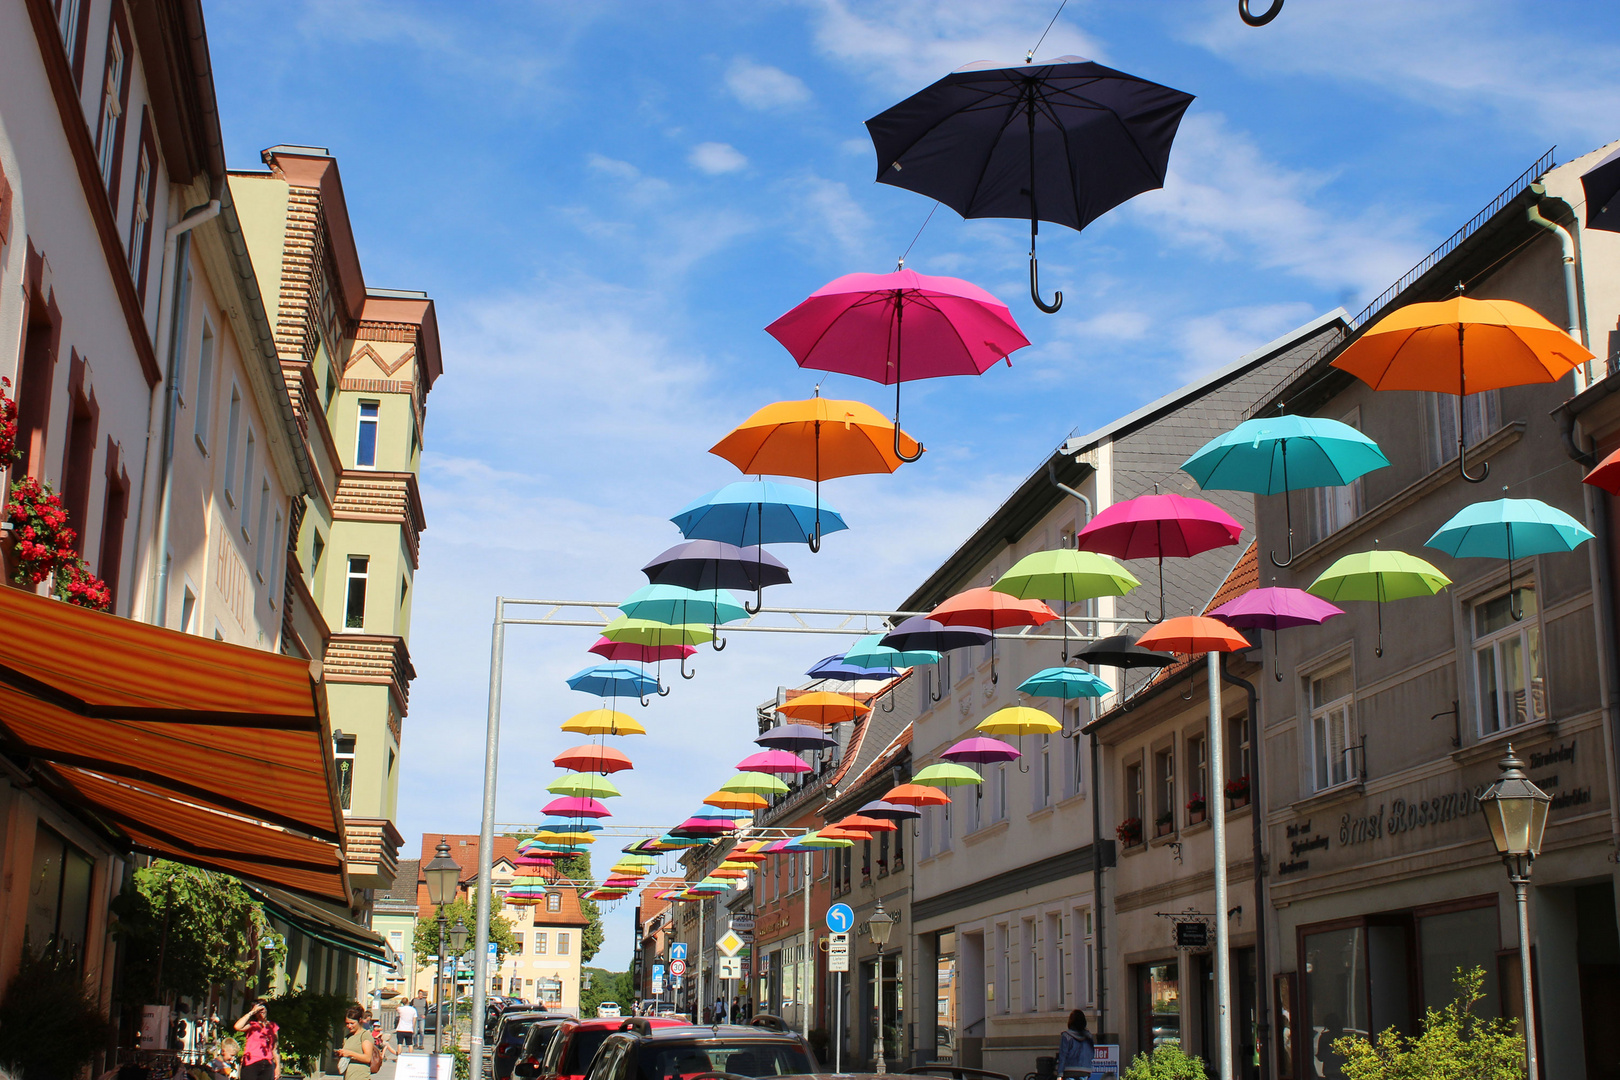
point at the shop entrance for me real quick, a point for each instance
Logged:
(1245, 1057)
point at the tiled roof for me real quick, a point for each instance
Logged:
(407, 879)
(464, 850)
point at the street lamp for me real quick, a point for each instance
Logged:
(443, 875)
(458, 942)
(878, 925)
(1516, 811)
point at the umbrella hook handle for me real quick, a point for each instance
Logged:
(888, 700)
(663, 691)
(1276, 664)
(1462, 465)
(928, 684)
(1288, 510)
(1035, 287)
(684, 673)
(759, 596)
(718, 643)
(1261, 19)
(1188, 696)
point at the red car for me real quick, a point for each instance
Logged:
(572, 1048)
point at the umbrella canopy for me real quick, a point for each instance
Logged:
(859, 820)
(922, 633)
(1122, 651)
(869, 651)
(899, 327)
(1601, 183)
(593, 759)
(1461, 346)
(757, 512)
(696, 826)
(675, 605)
(1275, 608)
(824, 708)
(981, 750)
(1192, 634)
(1378, 576)
(714, 564)
(815, 840)
(1065, 574)
(1019, 720)
(647, 632)
(1063, 141)
(1255, 457)
(773, 761)
(733, 875)
(795, 738)
(577, 807)
(613, 681)
(839, 832)
(946, 774)
(548, 836)
(602, 722)
(892, 811)
(754, 783)
(836, 667)
(916, 795)
(1508, 529)
(583, 786)
(1156, 526)
(736, 800)
(572, 824)
(1064, 682)
(987, 609)
(1607, 473)
(642, 654)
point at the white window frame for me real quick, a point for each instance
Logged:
(361, 420)
(248, 453)
(1057, 961)
(138, 219)
(112, 105)
(265, 538)
(204, 415)
(1042, 787)
(1031, 953)
(67, 22)
(1340, 711)
(1332, 508)
(1523, 630)
(363, 576)
(1482, 417)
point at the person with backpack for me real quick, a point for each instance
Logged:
(1076, 1047)
(359, 1051)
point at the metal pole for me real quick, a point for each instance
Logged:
(1520, 881)
(878, 1064)
(1223, 960)
(838, 1024)
(486, 840)
(438, 990)
(807, 982)
(1262, 906)
(697, 1008)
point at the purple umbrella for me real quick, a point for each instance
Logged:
(796, 737)
(980, 750)
(1275, 608)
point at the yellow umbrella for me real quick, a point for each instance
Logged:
(656, 634)
(565, 837)
(1019, 720)
(603, 722)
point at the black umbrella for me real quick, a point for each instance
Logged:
(920, 633)
(711, 564)
(890, 811)
(795, 738)
(1122, 651)
(1063, 141)
(1602, 186)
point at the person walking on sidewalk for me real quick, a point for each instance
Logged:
(404, 1027)
(357, 1048)
(261, 1060)
(1076, 1047)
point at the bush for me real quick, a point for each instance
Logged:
(1455, 1044)
(50, 1028)
(1168, 1062)
(309, 1024)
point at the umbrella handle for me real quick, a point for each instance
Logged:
(718, 643)
(1035, 286)
(928, 684)
(759, 596)
(1261, 19)
(1189, 694)
(1462, 465)
(889, 702)
(663, 691)
(1276, 665)
(684, 673)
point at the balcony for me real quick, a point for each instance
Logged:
(371, 848)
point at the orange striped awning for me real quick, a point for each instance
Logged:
(181, 747)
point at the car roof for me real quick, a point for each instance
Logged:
(616, 1023)
(674, 1031)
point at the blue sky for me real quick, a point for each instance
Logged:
(609, 201)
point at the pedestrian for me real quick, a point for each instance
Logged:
(1076, 1047)
(708, 1014)
(419, 1003)
(357, 1045)
(224, 1064)
(404, 1026)
(261, 1058)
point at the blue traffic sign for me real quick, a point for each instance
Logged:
(677, 949)
(840, 918)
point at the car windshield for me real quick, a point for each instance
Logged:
(540, 1039)
(675, 1061)
(517, 1026)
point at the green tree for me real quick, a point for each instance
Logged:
(308, 1024)
(601, 985)
(425, 943)
(50, 1026)
(186, 929)
(1168, 1062)
(1455, 1044)
(578, 868)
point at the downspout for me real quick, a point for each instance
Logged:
(1566, 241)
(1262, 999)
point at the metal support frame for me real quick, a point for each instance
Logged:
(1223, 959)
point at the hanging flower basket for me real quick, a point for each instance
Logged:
(1129, 831)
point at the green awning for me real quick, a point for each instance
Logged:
(324, 926)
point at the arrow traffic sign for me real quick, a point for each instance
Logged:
(840, 918)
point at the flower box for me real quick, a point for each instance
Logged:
(1237, 791)
(1164, 826)
(1129, 831)
(1196, 809)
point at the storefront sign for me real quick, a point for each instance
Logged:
(1105, 1061)
(771, 924)
(1192, 936)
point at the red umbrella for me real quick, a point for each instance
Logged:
(644, 654)
(990, 610)
(593, 759)
(899, 327)
(1606, 475)
(577, 806)
(1153, 526)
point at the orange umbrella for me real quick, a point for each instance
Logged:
(1606, 475)
(1461, 346)
(824, 708)
(835, 832)
(724, 873)
(990, 610)
(1189, 634)
(596, 759)
(916, 795)
(864, 823)
(737, 800)
(816, 439)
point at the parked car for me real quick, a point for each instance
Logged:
(608, 1010)
(506, 1041)
(537, 1040)
(765, 1047)
(572, 1048)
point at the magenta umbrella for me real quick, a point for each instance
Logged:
(1153, 526)
(981, 750)
(774, 761)
(1275, 608)
(577, 806)
(899, 327)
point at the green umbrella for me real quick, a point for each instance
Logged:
(1065, 574)
(754, 783)
(816, 840)
(947, 774)
(1378, 576)
(583, 785)
(657, 635)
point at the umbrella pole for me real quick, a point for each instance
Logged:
(1288, 510)
(1380, 598)
(1462, 437)
(1034, 217)
(899, 342)
(1148, 615)
(759, 558)
(1516, 611)
(815, 537)
(1276, 648)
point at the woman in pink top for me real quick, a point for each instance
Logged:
(260, 1061)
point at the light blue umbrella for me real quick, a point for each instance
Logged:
(613, 681)
(576, 825)
(1508, 529)
(1277, 454)
(673, 605)
(867, 652)
(756, 512)
(1064, 682)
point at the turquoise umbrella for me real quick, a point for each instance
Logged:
(675, 605)
(1255, 457)
(1064, 682)
(1508, 529)
(868, 652)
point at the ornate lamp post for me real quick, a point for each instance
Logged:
(443, 876)
(458, 944)
(1516, 811)
(878, 925)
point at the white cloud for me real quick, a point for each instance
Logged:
(1211, 341)
(761, 86)
(623, 170)
(825, 216)
(715, 158)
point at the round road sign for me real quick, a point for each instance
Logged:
(677, 967)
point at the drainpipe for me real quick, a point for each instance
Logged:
(1566, 240)
(1262, 978)
(176, 250)
(1097, 889)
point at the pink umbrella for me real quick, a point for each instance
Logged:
(773, 761)
(858, 325)
(531, 860)
(1153, 526)
(981, 749)
(1275, 608)
(644, 654)
(577, 806)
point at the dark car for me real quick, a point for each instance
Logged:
(497, 1007)
(573, 1047)
(537, 1040)
(765, 1047)
(506, 1040)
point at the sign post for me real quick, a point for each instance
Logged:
(839, 920)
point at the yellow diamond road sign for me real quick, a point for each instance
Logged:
(729, 943)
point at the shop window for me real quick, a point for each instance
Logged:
(1508, 684)
(549, 990)
(1164, 790)
(58, 896)
(203, 406)
(1331, 698)
(1335, 978)
(343, 750)
(354, 610)
(365, 443)
(1158, 1005)
(1482, 415)
(1458, 939)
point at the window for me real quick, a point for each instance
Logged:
(233, 427)
(58, 896)
(900, 847)
(1332, 508)
(109, 131)
(141, 213)
(317, 548)
(247, 485)
(81, 448)
(1001, 792)
(1331, 697)
(562, 944)
(266, 539)
(540, 943)
(203, 414)
(1198, 768)
(1164, 790)
(1133, 794)
(517, 942)
(1509, 688)
(188, 608)
(1075, 743)
(354, 611)
(343, 750)
(553, 901)
(1031, 965)
(331, 385)
(1043, 787)
(67, 23)
(1083, 963)
(1237, 738)
(365, 445)
(1482, 415)
(114, 509)
(1158, 1004)
(33, 388)
(276, 538)
(1057, 961)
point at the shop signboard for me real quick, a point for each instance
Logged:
(1105, 1062)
